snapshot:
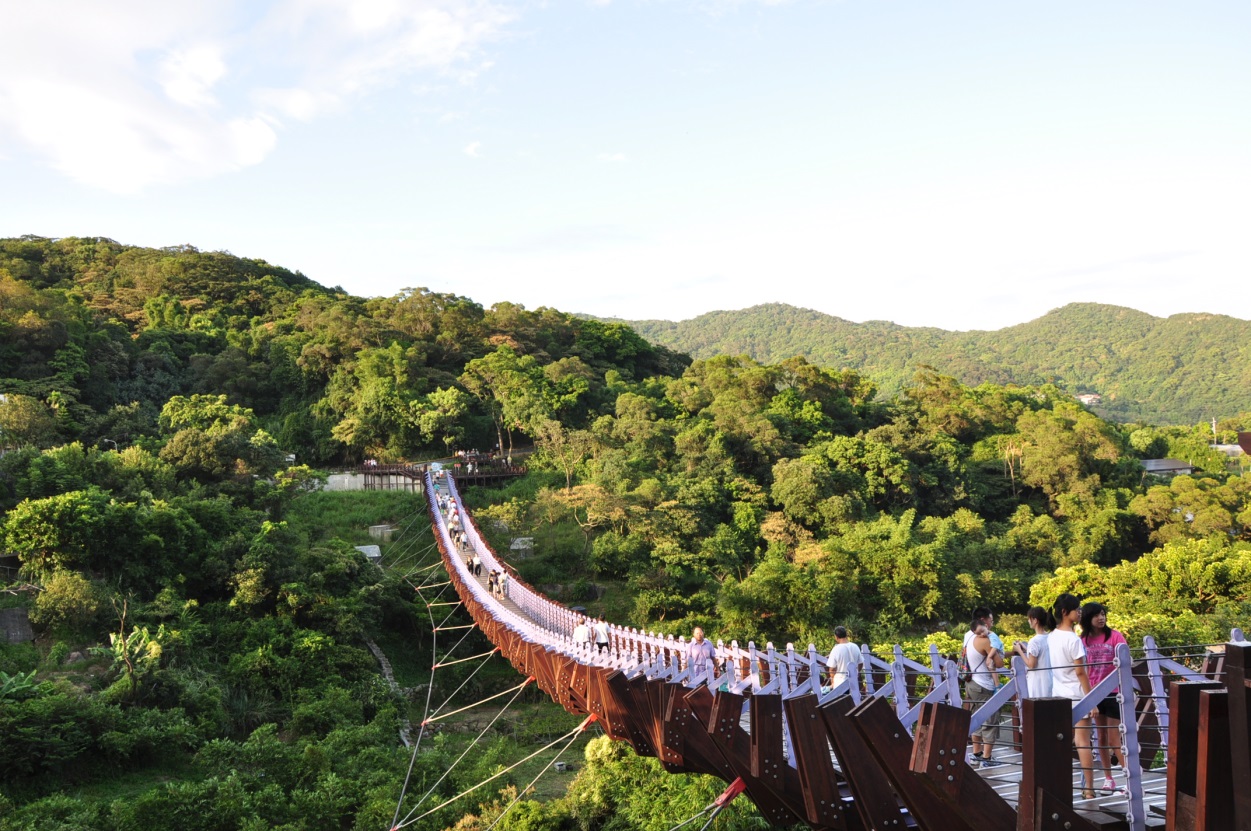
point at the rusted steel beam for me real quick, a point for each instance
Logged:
(566, 689)
(687, 735)
(938, 757)
(1214, 781)
(1182, 760)
(635, 715)
(719, 715)
(766, 752)
(658, 691)
(540, 665)
(890, 745)
(1046, 750)
(1237, 657)
(1052, 814)
(819, 783)
(872, 794)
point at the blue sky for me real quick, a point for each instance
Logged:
(952, 164)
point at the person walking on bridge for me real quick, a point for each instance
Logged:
(983, 661)
(845, 658)
(581, 633)
(600, 630)
(701, 654)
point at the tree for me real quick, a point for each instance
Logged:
(514, 390)
(439, 416)
(1066, 450)
(209, 413)
(57, 532)
(25, 421)
(68, 602)
(136, 654)
(567, 448)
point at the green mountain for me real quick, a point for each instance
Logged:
(97, 336)
(1178, 370)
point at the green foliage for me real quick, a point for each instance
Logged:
(617, 790)
(58, 532)
(1132, 359)
(16, 686)
(18, 657)
(69, 603)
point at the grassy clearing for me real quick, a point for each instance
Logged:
(529, 726)
(130, 784)
(347, 515)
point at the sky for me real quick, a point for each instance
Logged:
(964, 165)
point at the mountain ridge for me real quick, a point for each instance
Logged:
(1182, 368)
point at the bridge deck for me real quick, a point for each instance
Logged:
(1006, 780)
(754, 674)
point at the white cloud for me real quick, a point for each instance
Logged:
(188, 76)
(613, 158)
(472, 149)
(136, 93)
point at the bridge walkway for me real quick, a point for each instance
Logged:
(751, 673)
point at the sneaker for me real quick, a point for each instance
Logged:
(991, 763)
(974, 759)
(1110, 788)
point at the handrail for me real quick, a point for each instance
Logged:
(791, 672)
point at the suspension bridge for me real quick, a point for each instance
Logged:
(889, 747)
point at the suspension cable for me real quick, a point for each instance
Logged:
(542, 771)
(470, 658)
(495, 776)
(437, 716)
(717, 805)
(395, 822)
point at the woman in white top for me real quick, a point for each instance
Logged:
(1035, 653)
(1069, 679)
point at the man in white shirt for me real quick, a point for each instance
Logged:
(601, 634)
(845, 659)
(581, 633)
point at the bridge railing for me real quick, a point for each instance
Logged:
(791, 671)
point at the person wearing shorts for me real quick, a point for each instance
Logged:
(1101, 642)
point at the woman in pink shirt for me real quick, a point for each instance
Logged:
(1101, 643)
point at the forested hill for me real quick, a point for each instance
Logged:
(1176, 370)
(97, 336)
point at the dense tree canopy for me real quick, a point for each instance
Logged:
(152, 399)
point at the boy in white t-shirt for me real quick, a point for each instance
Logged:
(844, 660)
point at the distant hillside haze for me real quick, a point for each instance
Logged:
(1177, 370)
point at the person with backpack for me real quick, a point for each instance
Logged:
(984, 661)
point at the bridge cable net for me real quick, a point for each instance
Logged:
(435, 628)
(542, 770)
(397, 822)
(434, 645)
(572, 734)
(428, 716)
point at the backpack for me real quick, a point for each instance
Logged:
(964, 673)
